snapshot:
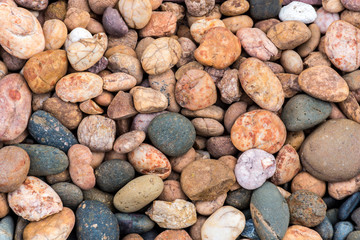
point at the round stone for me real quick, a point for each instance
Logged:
(172, 133)
(298, 11)
(336, 143)
(70, 194)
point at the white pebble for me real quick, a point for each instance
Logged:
(76, 35)
(298, 11)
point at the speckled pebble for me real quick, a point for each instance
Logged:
(348, 206)
(134, 223)
(325, 229)
(70, 194)
(342, 230)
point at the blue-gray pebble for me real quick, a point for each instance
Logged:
(270, 212)
(45, 160)
(95, 221)
(172, 133)
(134, 223)
(302, 112)
(249, 231)
(47, 130)
(239, 198)
(342, 230)
(114, 174)
(70, 194)
(332, 215)
(348, 206)
(355, 216)
(325, 229)
(7, 228)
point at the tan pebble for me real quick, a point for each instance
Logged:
(142, 45)
(172, 191)
(76, 17)
(81, 4)
(333, 6)
(341, 190)
(19, 139)
(351, 17)
(287, 165)
(130, 39)
(350, 107)
(275, 67)
(183, 69)
(200, 27)
(229, 87)
(97, 159)
(55, 33)
(136, 13)
(179, 163)
(310, 45)
(57, 226)
(335, 112)
(148, 100)
(213, 14)
(99, 7)
(234, 8)
(291, 61)
(90, 107)
(4, 206)
(94, 27)
(238, 22)
(289, 84)
(232, 113)
(173, 235)
(324, 83)
(132, 236)
(206, 208)
(295, 139)
(305, 181)
(207, 127)
(81, 172)
(161, 24)
(123, 49)
(173, 215)
(175, 8)
(118, 82)
(316, 59)
(187, 55)
(119, 62)
(195, 90)
(200, 143)
(129, 141)
(266, 24)
(297, 232)
(195, 230)
(60, 177)
(104, 99)
(261, 84)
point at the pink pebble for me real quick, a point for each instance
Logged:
(253, 167)
(324, 19)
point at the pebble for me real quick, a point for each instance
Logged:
(250, 231)
(34, 200)
(57, 226)
(148, 100)
(134, 223)
(266, 131)
(349, 206)
(113, 22)
(225, 223)
(45, 160)
(95, 221)
(113, 174)
(305, 181)
(342, 229)
(239, 198)
(172, 191)
(355, 216)
(299, 232)
(340, 190)
(325, 229)
(137, 193)
(302, 112)
(172, 215)
(199, 8)
(306, 208)
(15, 165)
(4, 207)
(70, 194)
(220, 146)
(355, 235)
(336, 143)
(270, 212)
(298, 11)
(325, 18)
(206, 179)
(173, 235)
(7, 228)
(253, 167)
(352, 5)
(100, 196)
(260, 10)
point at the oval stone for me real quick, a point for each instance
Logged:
(34, 200)
(336, 143)
(47, 130)
(302, 112)
(258, 129)
(172, 133)
(260, 9)
(138, 193)
(261, 84)
(324, 83)
(95, 221)
(45, 160)
(270, 212)
(134, 223)
(342, 45)
(7, 227)
(70, 194)
(79, 87)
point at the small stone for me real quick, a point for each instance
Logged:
(134, 223)
(239, 198)
(225, 223)
(199, 28)
(121, 106)
(325, 229)
(348, 206)
(76, 17)
(34, 200)
(306, 208)
(173, 235)
(7, 228)
(135, 13)
(301, 233)
(220, 146)
(342, 230)
(70, 194)
(55, 33)
(260, 10)
(325, 18)
(298, 11)
(352, 5)
(148, 100)
(341, 190)
(113, 22)
(95, 221)
(355, 235)
(100, 196)
(161, 24)
(173, 215)
(199, 8)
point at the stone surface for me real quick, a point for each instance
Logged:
(260, 10)
(148, 100)
(136, 13)
(305, 181)
(325, 18)
(34, 200)
(348, 206)
(199, 8)
(70, 194)
(261, 84)
(173, 235)
(298, 11)
(121, 106)
(342, 230)
(325, 229)
(57, 226)
(266, 131)
(113, 22)
(298, 232)
(7, 228)
(134, 223)
(206, 179)
(95, 221)
(161, 24)
(172, 215)
(335, 141)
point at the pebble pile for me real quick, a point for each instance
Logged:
(180, 119)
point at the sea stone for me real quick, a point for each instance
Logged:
(134, 223)
(225, 223)
(256, 43)
(161, 24)
(173, 215)
(261, 84)
(289, 34)
(148, 100)
(253, 167)
(15, 164)
(57, 226)
(199, 28)
(298, 11)
(15, 107)
(298, 232)
(325, 18)
(199, 8)
(172, 133)
(34, 200)
(7, 227)
(206, 179)
(324, 83)
(113, 23)
(353, 5)
(260, 10)
(172, 235)
(258, 129)
(335, 142)
(121, 106)
(302, 112)
(269, 211)
(345, 55)
(136, 13)
(219, 48)
(22, 35)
